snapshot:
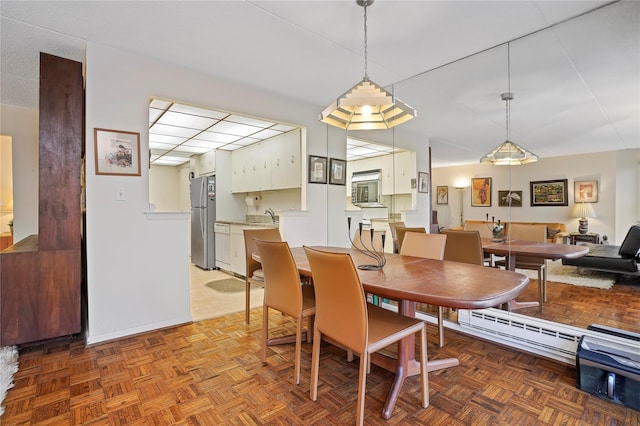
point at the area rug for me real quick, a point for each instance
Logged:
(559, 273)
(229, 285)
(8, 367)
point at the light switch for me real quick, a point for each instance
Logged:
(120, 196)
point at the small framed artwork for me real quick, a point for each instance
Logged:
(585, 191)
(117, 152)
(317, 169)
(337, 172)
(481, 192)
(442, 195)
(549, 193)
(423, 182)
(509, 198)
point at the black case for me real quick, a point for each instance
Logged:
(608, 369)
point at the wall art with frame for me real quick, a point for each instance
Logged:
(423, 182)
(337, 172)
(549, 193)
(317, 169)
(442, 195)
(585, 191)
(481, 192)
(509, 198)
(117, 152)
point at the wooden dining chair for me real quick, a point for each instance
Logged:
(484, 229)
(284, 292)
(344, 316)
(402, 230)
(429, 246)
(530, 232)
(254, 273)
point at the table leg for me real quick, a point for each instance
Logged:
(514, 304)
(406, 364)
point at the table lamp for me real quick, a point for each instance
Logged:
(583, 211)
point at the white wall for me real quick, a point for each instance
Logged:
(617, 207)
(164, 188)
(131, 257)
(22, 125)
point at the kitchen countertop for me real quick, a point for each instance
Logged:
(248, 223)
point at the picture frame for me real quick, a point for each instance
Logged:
(585, 191)
(549, 193)
(317, 169)
(337, 171)
(509, 198)
(481, 192)
(423, 182)
(442, 195)
(117, 152)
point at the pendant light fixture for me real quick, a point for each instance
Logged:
(366, 105)
(509, 153)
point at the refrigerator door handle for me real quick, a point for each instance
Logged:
(203, 211)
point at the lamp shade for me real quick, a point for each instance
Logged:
(583, 210)
(509, 153)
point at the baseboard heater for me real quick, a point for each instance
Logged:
(541, 337)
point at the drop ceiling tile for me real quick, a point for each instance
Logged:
(186, 120)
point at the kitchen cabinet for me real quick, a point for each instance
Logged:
(207, 163)
(267, 165)
(404, 170)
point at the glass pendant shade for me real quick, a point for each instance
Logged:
(367, 106)
(509, 154)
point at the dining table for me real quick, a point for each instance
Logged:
(411, 280)
(511, 249)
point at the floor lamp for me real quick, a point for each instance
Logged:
(461, 190)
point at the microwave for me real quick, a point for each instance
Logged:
(365, 188)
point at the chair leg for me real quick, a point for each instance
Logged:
(265, 332)
(540, 288)
(440, 326)
(544, 282)
(298, 349)
(424, 377)
(247, 301)
(315, 364)
(362, 384)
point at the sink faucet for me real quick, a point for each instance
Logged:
(271, 213)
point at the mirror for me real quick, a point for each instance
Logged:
(6, 185)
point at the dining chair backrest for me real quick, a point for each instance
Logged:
(250, 235)
(394, 234)
(281, 278)
(364, 242)
(528, 232)
(464, 246)
(430, 246)
(402, 230)
(341, 305)
(253, 269)
(484, 228)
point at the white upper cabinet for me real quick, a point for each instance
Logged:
(397, 171)
(267, 165)
(207, 163)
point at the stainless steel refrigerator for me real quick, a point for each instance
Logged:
(203, 217)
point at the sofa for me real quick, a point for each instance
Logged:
(622, 259)
(555, 231)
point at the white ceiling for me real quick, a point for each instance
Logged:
(576, 84)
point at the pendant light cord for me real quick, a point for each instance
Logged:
(509, 95)
(366, 75)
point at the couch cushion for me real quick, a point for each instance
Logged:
(631, 245)
(603, 257)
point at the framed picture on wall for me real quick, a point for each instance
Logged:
(423, 182)
(549, 193)
(117, 152)
(481, 192)
(337, 172)
(585, 191)
(442, 195)
(509, 198)
(317, 169)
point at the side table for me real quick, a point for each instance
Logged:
(589, 237)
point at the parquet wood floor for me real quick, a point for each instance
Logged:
(209, 373)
